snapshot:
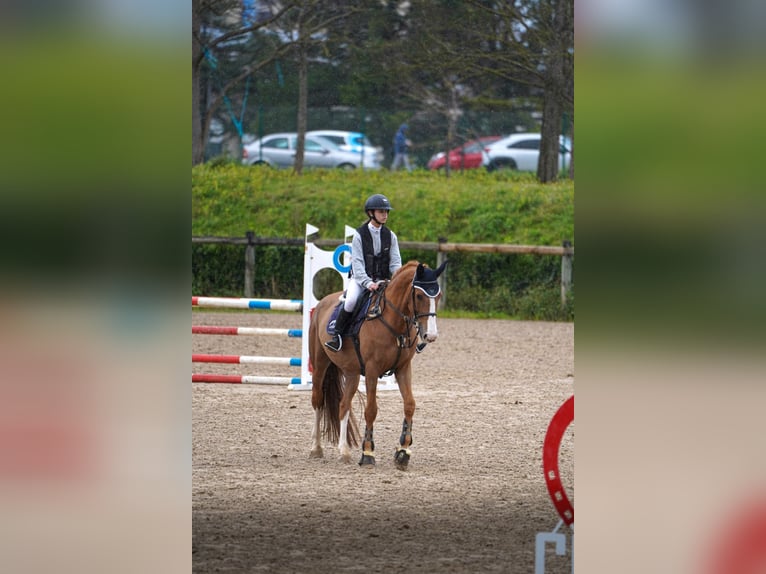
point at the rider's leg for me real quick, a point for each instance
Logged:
(352, 294)
(336, 343)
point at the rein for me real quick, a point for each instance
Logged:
(403, 340)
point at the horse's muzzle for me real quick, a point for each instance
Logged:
(430, 333)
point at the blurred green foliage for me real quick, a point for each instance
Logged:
(82, 115)
(93, 158)
(672, 220)
(472, 207)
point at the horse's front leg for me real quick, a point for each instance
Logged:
(403, 452)
(370, 413)
(344, 448)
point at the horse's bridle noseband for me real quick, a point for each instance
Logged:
(431, 289)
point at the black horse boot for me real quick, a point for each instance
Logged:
(336, 343)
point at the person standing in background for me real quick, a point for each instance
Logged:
(401, 149)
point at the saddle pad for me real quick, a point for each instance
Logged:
(357, 318)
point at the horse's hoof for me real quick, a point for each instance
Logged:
(345, 458)
(316, 453)
(402, 459)
(367, 460)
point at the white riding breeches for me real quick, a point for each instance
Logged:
(353, 290)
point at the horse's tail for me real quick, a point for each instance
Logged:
(332, 389)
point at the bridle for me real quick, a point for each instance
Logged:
(404, 340)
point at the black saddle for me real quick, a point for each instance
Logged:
(366, 306)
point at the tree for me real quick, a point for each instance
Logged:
(558, 95)
(433, 62)
(532, 42)
(318, 23)
(443, 75)
(197, 138)
(436, 56)
(212, 30)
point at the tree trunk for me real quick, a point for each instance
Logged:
(548, 163)
(303, 96)
(303, 90)
(553, 98)
(452, 117)
(571, 157)
(198, 149)
(450, 139)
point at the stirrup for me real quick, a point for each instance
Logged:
(420, 347)
(335, 344)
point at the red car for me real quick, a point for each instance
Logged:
(467, 156)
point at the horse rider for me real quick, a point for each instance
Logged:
(374, 258)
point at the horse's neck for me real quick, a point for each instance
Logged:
(397, 295)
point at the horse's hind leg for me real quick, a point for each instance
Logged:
(344, 448)
(318, 403)
(316, 436)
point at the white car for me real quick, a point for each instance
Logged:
(278, 150)
(351, 141)
(521, 152)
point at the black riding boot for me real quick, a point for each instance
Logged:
(336, 343)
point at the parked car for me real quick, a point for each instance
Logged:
(278, 150)
(467, 156)
(350, 141)
(521, 152)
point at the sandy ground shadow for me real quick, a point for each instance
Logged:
(472, 500)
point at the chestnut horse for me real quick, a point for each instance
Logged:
(403, 313)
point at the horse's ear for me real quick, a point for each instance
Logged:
(419, 272)
(440, 270)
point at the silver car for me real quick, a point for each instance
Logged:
(521, 152)
(350, 141)
(278, 150)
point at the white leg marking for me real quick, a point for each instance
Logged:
(316, 442)
(343, 447)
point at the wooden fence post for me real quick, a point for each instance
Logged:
(249, 265)
(442, 280)
(566, 273)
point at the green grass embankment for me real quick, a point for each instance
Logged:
(470, 207)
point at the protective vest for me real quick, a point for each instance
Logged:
(376, 266)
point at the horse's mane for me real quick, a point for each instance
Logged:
(410, 265)
(400, 283)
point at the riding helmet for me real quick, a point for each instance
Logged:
(377, 201)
